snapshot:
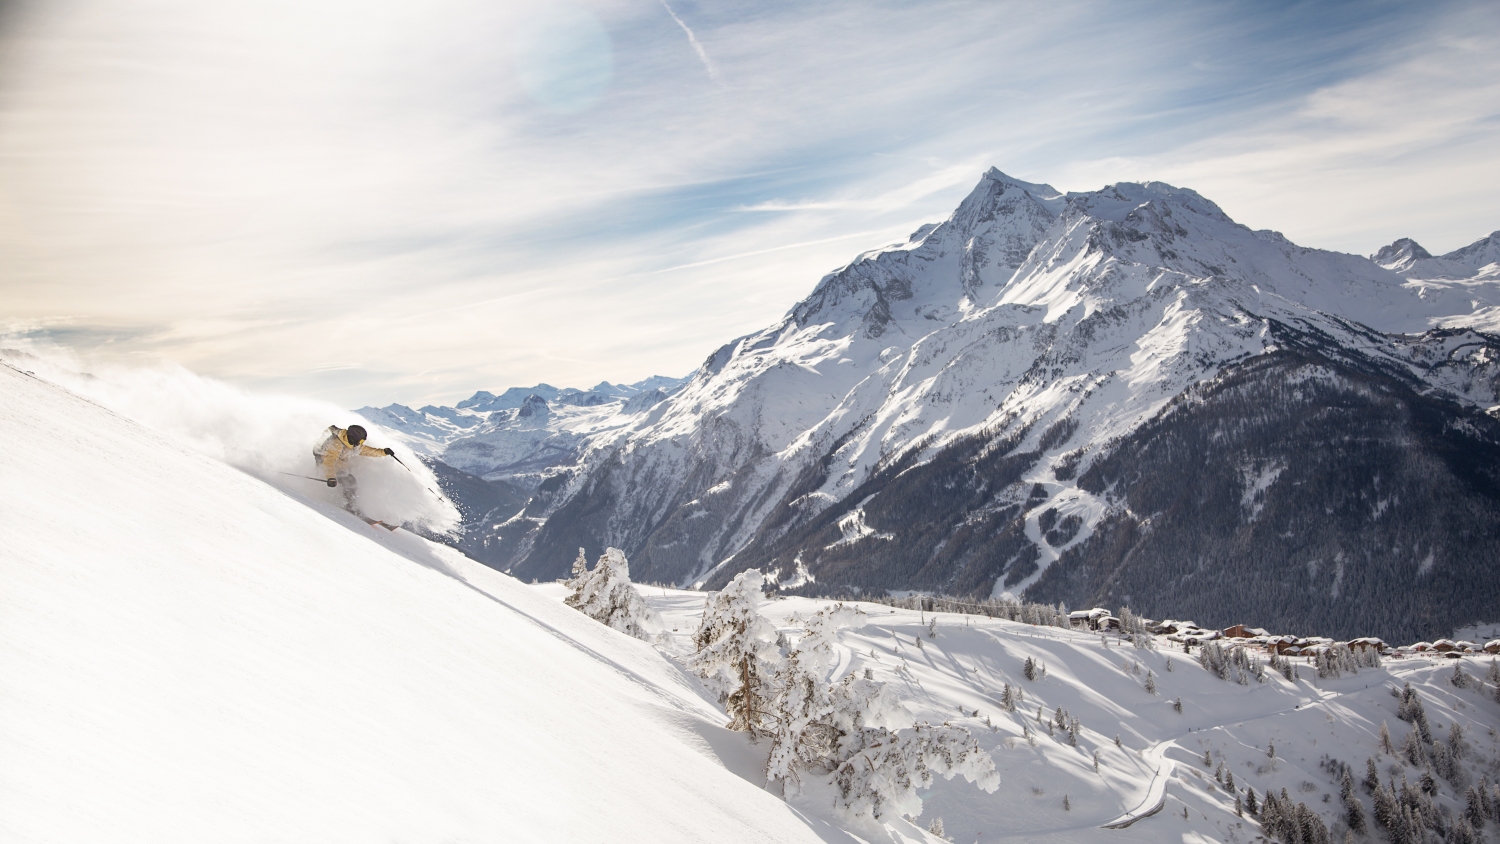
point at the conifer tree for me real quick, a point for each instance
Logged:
(736, 652)
(606, 595)
(1460, 680)
(1474, 808)
(1354, 813)
(1372, 774)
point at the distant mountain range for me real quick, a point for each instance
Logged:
(1101, 398)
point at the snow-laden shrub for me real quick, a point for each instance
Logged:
(736, 652)
(882, 770)
(853, 731)
(605, 595)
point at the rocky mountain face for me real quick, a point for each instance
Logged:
(1103, 397)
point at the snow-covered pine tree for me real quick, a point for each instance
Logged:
(1460, 680)
(605, 595)
(1372, 775)
(1456, 744)
(1410, 709)
(1354, 813)
(1412, 751)
(806, 716)
(1474, 811)
(1028, 668)
(736, 652)
(936, 828)
(1008, 699)
(1150, 683)
(1386, 811)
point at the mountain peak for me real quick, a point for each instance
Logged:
(1400, 254)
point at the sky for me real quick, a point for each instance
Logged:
(372, 202)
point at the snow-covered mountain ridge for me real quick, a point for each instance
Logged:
(931, 416)
(523, 433)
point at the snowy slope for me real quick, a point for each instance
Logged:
(189, 654)
(957, 676)
(1044, 323)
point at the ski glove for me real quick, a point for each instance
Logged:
(390, 453)
(332, 482)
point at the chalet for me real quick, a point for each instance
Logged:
(1368, 643)
(1194, 635)
(1240, 631)
(1096, 619)
(1443, 646)
(1168, 626)
(1492, 646)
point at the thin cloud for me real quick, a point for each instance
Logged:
(766, 251)
(693, 40)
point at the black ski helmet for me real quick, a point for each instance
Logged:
(356, 434)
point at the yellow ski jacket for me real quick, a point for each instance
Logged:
(335, 452)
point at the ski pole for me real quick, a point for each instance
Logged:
(428, 488)
(305, 477)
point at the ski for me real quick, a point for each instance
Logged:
(378, 523)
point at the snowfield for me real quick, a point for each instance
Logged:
(191, 655)
(1158, 771)
(188, 653)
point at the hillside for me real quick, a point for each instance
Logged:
(192, 655)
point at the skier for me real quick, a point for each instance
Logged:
(333, 456)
